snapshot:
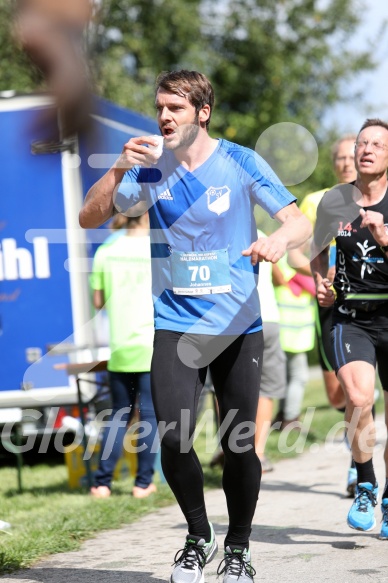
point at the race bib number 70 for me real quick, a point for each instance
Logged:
(200, 272)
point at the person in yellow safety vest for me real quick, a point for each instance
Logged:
(295, 296)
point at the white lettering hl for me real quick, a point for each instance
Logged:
(17, 262)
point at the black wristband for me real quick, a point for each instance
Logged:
(384, 248)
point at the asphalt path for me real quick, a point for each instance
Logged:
(299, 533)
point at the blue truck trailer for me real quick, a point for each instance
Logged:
(46, 317)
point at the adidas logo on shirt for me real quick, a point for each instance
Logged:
(166, 195)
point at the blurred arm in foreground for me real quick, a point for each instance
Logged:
(51, 32)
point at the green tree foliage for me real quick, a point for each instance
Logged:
(137, 39)
(284, 61)
(16, 71)
(269, 61)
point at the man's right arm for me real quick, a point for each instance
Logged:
(324, 231)
(319, 268)
(98, 205)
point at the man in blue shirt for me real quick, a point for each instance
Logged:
(200, 194)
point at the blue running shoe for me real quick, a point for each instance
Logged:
(384, 526)
(352, 482)
(361, 514)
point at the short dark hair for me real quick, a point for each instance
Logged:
(373, 122)
(190, 84)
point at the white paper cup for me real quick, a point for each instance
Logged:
(159, 148)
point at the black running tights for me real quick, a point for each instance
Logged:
(176, 387)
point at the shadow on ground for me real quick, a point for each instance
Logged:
(47, 575)
(305, 536)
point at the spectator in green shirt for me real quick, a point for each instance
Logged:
(121, 282)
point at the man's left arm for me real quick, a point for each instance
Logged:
(294, 231)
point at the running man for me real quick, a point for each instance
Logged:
(205, 253)
(357, 216)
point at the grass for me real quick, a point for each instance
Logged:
(48, 517)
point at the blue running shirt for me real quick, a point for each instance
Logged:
(201, 221)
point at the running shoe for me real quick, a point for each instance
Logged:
(190, 561)
(352, 482)
(361, 514)
(236, 566)
(384, 526)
